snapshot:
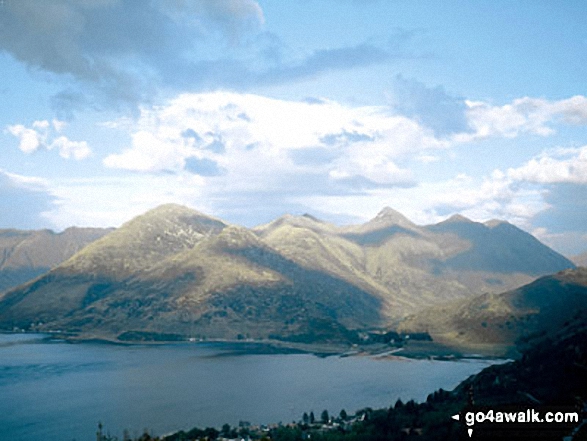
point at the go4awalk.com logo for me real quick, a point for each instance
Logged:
(536, 422)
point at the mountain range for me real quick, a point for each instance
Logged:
(25, 255)
(174, 271)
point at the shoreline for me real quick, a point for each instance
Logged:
(388, 360)
(432, 350)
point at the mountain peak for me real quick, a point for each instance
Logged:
(300, 218)
(181, 216)
(458, 218)
(146, 240)
(173, 209)
(309, 216)
(389, 216)
(294, 221)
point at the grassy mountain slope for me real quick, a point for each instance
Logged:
(144, 241)
(318, 245)
(175, 270)
(198, 278)
(512, 317)
(410, 267)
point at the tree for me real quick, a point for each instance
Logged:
(99, 435)
(411, 407)
(286, 434)
(305, 418)
(325, 417)
(211, 432)
(312, 418)
(343, 415)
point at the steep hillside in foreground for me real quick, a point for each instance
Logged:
(25, 255)
(513, 317)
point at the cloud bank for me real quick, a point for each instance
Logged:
(46, 135)
(127, 53)
(225, 152)
(255, 138)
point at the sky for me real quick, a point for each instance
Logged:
(247, 110)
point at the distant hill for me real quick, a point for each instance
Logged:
(25, 255)
(498, 246)
(410, 267)
(514, 317)
(176, 271)
(580, 259)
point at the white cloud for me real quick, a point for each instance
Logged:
(333, 158)
(29, 182)
(58, 125)
(573, 110)
(496, 196)
(566, 165)
(523, 115)
(29, 139)
(70, 149)
(42, 135)
(149, 153)
(237, 132)
(225, 152)
(428, 159)
(516, 195)
(41, 125)
(367, 141)
(252, 136)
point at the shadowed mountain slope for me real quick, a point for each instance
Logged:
(174, 270)
(216, 280)
(498, 247)
(410, 267)
(386, 224)
(513, 317)
(25, 255)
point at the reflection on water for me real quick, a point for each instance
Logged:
(58, 391)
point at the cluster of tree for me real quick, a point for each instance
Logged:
(396, 338)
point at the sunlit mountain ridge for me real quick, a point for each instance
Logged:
(174, 270)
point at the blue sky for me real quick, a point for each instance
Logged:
(251, 109)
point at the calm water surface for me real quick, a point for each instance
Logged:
(58, 391)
